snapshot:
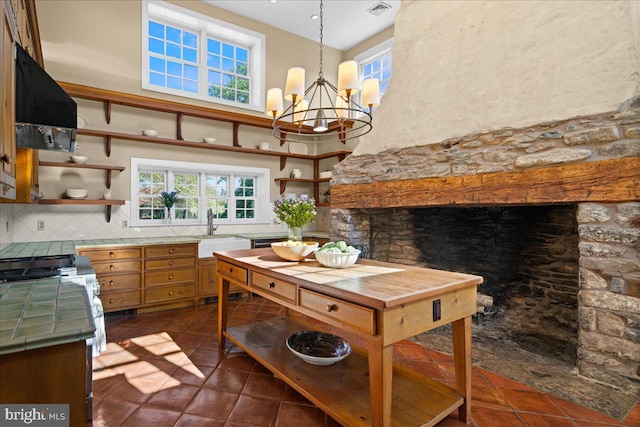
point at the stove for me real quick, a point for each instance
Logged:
(36, 267)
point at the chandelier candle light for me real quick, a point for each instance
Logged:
(315, 112)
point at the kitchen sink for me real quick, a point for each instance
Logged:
(207, 246)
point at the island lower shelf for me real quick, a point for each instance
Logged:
(342, 390)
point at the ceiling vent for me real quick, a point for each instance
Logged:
(379, 8)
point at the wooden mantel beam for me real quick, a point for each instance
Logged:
(615, 180)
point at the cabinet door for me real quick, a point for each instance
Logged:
(207, 278)
(7, 98)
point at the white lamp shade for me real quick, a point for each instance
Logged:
(341, 106)
(275, 105)
(348, 78)
(295, 84)
(371, 93)
(300, 111)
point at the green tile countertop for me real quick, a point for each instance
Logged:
(42, 313)
(65, 247)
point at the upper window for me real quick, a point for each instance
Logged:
(376, 63)
(189, 54)
(235, 194)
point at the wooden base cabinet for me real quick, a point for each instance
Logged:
(170, 272)
(208, 280)
(119, 273)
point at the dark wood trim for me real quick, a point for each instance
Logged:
(614, 180)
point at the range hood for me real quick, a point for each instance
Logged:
(46, 117)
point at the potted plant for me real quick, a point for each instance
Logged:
(296, 213)
(168, 200)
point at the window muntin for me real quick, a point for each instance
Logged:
(376, 63)
(236, 194)
(189, 54)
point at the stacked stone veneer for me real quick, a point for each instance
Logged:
(609, 234)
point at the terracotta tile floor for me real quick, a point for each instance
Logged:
(164, 369)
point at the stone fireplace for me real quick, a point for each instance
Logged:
(508, 145)
(549, 215)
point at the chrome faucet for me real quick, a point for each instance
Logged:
(210, 227)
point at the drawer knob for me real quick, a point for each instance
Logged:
(111, 267)
(331, 307)
(171, 277)
(111, 300)
(6, 158)
(170, 251)
(110, 282)
(170, 292)
(111, 254)
(171, 262)
(231, 270)
(272, 285)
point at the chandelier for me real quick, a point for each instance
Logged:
(322, 109)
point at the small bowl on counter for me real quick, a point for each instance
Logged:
(79, 159)
(318, 348)
(150, 132)
(77, 193)
(209, 140)
(337, 260)
(294, 251)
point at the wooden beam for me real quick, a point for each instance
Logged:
(615, 180)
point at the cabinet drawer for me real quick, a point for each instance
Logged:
(116, 267)
(358, 317)
(114, 301)
(119, 281)
(109, 254)
(167, 293)
(232, 272)
(155, 264)
(165, 277)
(273, 286)
(158, 251)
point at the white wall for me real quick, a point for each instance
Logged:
(463, 67)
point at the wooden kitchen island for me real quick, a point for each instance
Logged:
(381, 303)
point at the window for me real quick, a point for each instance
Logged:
(189, 54)
(376, 63)
(231, 192)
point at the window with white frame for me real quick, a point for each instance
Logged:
(189, 54)
(376, 63)
(235, 194)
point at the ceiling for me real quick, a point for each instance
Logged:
(346, 22)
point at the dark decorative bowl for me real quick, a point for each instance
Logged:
(318, 348)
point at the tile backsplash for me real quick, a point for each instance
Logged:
(19, 223)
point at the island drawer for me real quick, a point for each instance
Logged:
(284, 290)
(157, 251)
(357, 317)
(166, 293)
(232, 272)
(115, 301)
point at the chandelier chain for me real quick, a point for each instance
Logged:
(321, 28)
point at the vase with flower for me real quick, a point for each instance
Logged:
(296, 213)
(169, 199)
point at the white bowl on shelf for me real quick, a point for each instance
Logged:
(209, 140)
(150, 132)
(79, 159)
(318, 348)
(337, 260)
(77, 193)
(286, 250)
